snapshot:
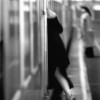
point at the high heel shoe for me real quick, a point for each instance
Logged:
(71, 97)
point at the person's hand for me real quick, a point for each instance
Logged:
(50, 13)
(97, 43)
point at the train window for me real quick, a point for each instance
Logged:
(11, 48)
(96, 9)
(30, 38)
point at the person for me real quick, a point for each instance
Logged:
(58, 61)
(89, 38)
(85, 50)
(87, 31)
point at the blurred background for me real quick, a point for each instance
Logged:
(23, 47)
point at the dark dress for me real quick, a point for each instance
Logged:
(57, 56)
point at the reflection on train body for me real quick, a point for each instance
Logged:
(23, 47)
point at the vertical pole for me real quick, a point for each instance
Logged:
(92, 10)
(44, 46)
(21, 24)
(39, 31)
(46, 51)
(64, 20)
(31, 35)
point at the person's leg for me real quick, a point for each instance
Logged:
(63, 82)
(66, 84)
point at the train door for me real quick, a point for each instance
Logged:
(25, 49)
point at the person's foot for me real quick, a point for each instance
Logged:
(71, 97)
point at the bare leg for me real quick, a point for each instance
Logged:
(63, 82)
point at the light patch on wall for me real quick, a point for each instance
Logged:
(96, 7)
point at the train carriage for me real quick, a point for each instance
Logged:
(24, 47)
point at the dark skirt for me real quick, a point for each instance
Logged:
(52, 80)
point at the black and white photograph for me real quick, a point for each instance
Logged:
(49, 49)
